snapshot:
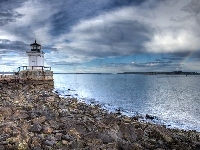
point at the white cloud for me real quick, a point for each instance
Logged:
(173, 40)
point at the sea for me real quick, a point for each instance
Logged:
(172, 100)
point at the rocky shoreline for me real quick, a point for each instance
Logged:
(33, 117)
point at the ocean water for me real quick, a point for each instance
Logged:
(173, 100)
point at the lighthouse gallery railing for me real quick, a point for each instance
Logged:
(43, 68)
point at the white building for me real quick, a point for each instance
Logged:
(35, 69)
(35, 57)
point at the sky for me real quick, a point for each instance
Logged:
(106, 36)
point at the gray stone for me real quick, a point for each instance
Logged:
(2, 147)
(105, 138)
(36, 128)
(49, 143)
(4, 137)
(37, 148)
(67, 137)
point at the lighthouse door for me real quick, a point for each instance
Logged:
(33, 61)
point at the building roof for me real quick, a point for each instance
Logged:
(35, 44)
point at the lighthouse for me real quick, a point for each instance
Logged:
(35, 57)
(35, 69)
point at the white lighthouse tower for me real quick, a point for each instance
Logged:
(35, 69)
(35, 57)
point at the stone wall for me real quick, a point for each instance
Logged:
(18, 89)
(7, 76)
(36, 74)
(29, 75)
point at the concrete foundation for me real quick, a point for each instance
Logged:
(35, 75)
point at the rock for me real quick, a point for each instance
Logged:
(67, 137)
(128, 131)
(58, 136)
(137, 117)
(35, 141)
(106, 138)
(39, 119)
(50, 99)
(49, 143)
(139, 134)
(149, 117)
(54, 124)
(4, 137)
(197, 146)
(36, 128)
(137, 146)
(37, 148)
(163, 133)
(65, 142)
(47, 129)
(4, 142)
(2, 147)
(74, 133)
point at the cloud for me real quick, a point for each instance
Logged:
(127, 31)
(8, 45)
(74, 32)
(192, 7)
(110, 34)
(8, 14)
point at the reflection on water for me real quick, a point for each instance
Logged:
(173, 99)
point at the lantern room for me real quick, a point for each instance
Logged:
(35, 47)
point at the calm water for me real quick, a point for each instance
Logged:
(174, 100)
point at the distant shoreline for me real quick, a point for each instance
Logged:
(163, 73)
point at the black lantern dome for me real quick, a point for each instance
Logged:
(35, 47)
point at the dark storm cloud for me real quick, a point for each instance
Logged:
(192, 7)
(119, 38)
(7, 14)
(21, 47)
(25, 32)
(73, 11)
(13, 45)
(127, 2)
(128, 31)
(10, 4)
